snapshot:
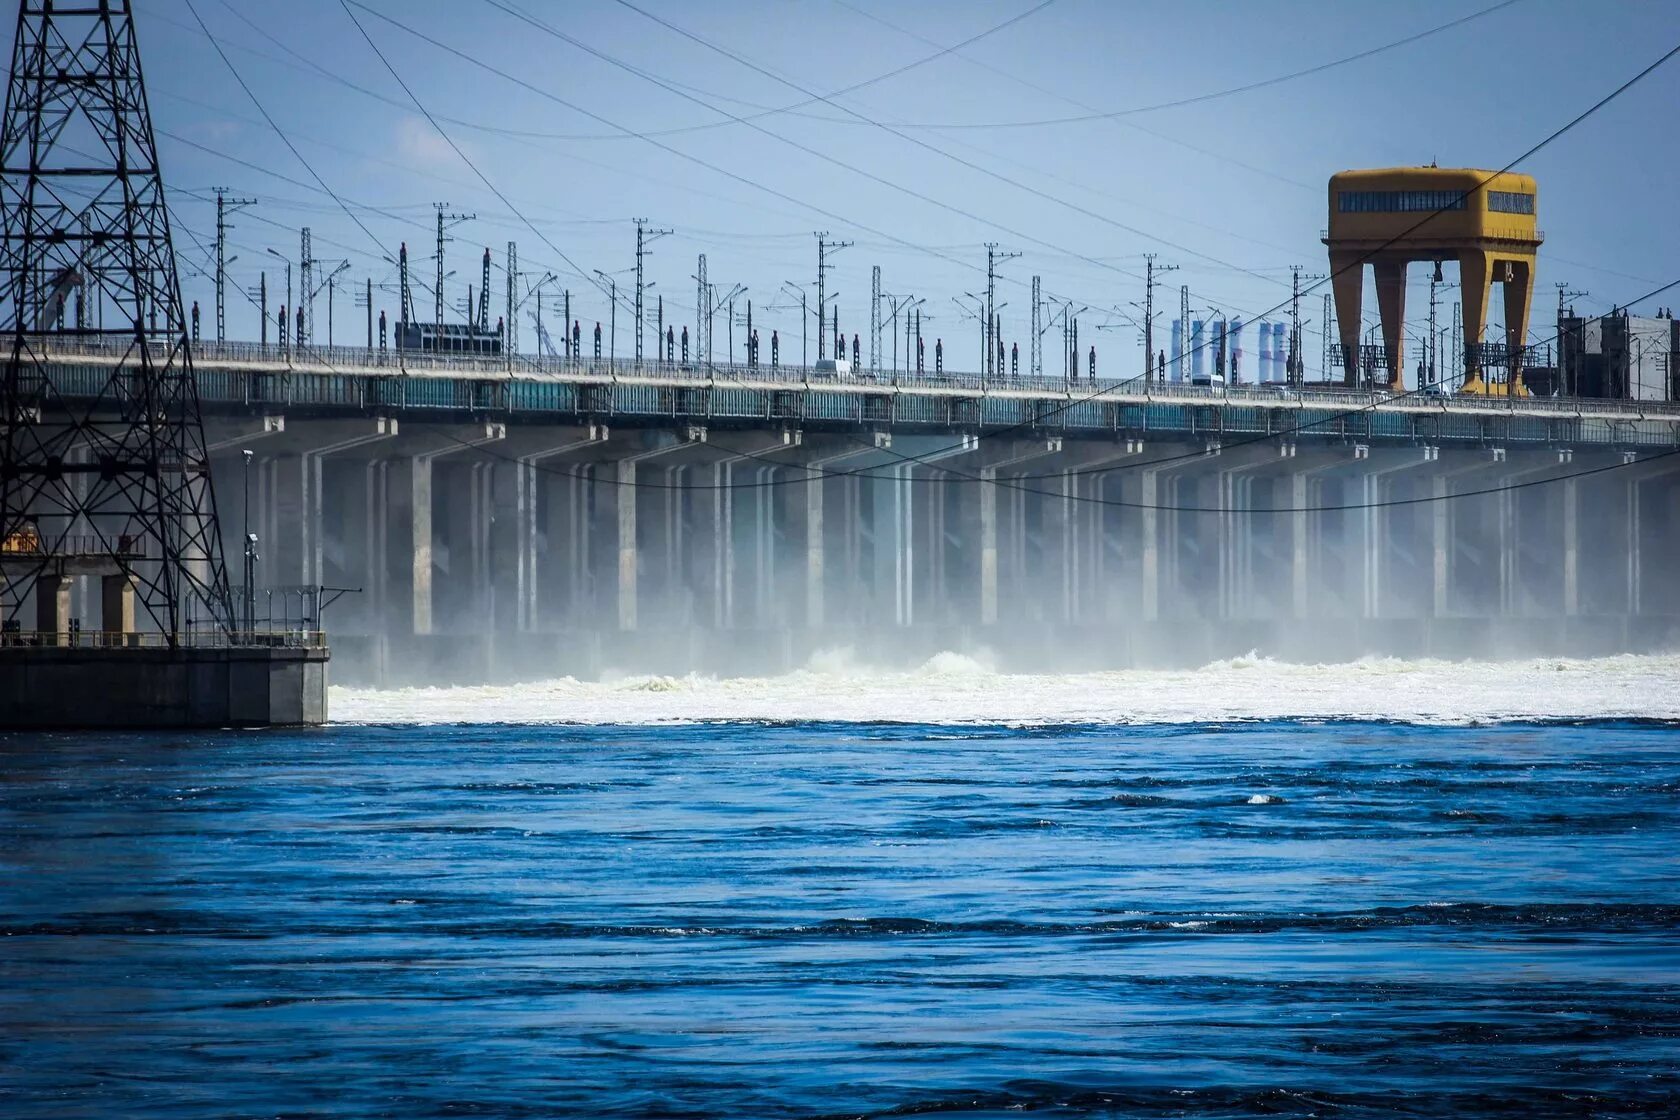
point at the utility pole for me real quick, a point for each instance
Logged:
(1035, 363)
(1149, 314)
(445, 221)
(824, 247)
(407, 293)
(1329, 333)
(1566, 384)
(875, 323)
(364, 298)
(1291, 374)
(644, 238)
(1183, 331)
(305, 310)
(224, 207)
(993, 259)
(484, 295)
(1295, 365)
(702, 311)
(510, 342)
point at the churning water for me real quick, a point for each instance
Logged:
(989, 907)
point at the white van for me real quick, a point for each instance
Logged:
(839, 367)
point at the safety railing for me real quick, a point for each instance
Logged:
(151, 639)
(351, 376)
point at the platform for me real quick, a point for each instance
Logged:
(113, 681)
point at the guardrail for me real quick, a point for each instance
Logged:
(357, 377)
(151, 639)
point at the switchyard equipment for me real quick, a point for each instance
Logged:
(1484, 220)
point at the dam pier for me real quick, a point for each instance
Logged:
(574, 518)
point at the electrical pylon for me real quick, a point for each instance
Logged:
(112, 470)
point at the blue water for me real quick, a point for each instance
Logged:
(842, 920)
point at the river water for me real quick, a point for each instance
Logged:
(920, 908)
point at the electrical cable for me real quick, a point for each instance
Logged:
(737, 177)
(1094, 215)
(908, 459)
(1201, 98)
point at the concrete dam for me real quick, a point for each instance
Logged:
(503, 523)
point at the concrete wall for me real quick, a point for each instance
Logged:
(52, 687)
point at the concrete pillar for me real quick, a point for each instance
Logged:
(1300, 494)
(1635, 571)
(987, 498)
(518, 501)
(723, 543)
(1571, 499)
(413, 503)
(52, 608)
(894, 547)
(116, 606)
(987, 502)
(421, 537)
(311, 496)
(1440, 545)
(1149, 491)
(626, 499)
(722, 520)
(816, 551)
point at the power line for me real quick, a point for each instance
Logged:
(1201, 98)
(284, 139)
(696, 160)
(912, 459)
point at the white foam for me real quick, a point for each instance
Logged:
(963, 689)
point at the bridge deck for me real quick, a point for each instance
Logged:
(248, 376)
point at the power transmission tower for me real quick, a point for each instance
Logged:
(875, 321)
(824, 247)
(445, 221)
(993, 257)
(82, 206)
(224, 207)
(1149, 314)
(1036, 359)
(644, 238)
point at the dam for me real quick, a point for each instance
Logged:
(502, 521)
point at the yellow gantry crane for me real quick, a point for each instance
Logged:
(1391, 217)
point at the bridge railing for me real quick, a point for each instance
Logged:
(360, 362)
(152, 639)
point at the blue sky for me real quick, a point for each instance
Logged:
(1230, 189)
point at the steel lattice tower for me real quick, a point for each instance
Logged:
(102, 462)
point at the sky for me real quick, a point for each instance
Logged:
(956, 135)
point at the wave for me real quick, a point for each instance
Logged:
(413, 916)
(954, 688)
